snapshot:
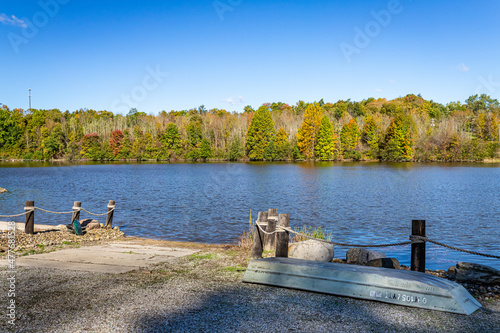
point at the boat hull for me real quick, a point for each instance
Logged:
(399, 287)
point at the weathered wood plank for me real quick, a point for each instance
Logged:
(282, 238)
(258, 237)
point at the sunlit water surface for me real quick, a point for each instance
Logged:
(211, 202)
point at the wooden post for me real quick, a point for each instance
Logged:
(418, 249)
(273, 214)
(270, 240)
(109, 217)
(76, 211)
(282, 237)
(29, 219)
(258, 237)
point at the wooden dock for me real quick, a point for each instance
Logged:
(401, 287)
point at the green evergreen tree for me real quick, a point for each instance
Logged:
(325, 148)
(370, 136)
(398, 140)
(349, 136)
(260, 135)
(205, 149)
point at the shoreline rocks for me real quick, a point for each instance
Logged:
(359, 256)
(474, 273)
(48, 240)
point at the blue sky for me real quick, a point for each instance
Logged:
(173, 55)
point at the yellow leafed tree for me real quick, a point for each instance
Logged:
(307, 135)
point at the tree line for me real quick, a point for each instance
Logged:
(408, 128)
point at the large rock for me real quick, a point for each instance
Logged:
(2, 190)
(475, 273)
(384, 262)
(90, 224)
(311, 250)
(359, 256)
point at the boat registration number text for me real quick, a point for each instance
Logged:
(397, 296)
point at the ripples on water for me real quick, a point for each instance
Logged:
(357, 202)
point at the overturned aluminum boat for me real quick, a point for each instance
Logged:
(372, 283)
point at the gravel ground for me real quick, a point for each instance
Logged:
(204, 293)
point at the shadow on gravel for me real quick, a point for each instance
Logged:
(251, 308)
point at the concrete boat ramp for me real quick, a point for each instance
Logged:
(118, 257)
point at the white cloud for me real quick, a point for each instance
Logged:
(461, 67)
(378, 90)
(233, 101)
(4, 19)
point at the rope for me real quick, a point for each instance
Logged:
(413, 240)
(98, 214)
(421, 239)
(49, 211)
(26, 212)
(330, 242)
(32, 209)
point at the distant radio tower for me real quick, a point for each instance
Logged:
(30, 98)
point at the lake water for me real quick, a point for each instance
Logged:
(211, 202)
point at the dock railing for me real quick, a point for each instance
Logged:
(30, 208)
(269, 235)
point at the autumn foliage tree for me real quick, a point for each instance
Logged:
(307, 135)
(282, 145)
(116, 142)
(260, 135)
(91, 148)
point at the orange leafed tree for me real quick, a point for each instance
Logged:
(307, 135)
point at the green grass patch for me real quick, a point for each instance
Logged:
(203, 256)
(235, 269)
(318, 233)
(130, 252)
(40, 246)
(28, 252)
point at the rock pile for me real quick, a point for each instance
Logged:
(52, 238)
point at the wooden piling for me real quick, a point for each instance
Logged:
(29, 219)
(282, 237)
(272, 214)
(76, 211)
(109, 217)
(270, 240)
(418, 249)
(258, 237)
